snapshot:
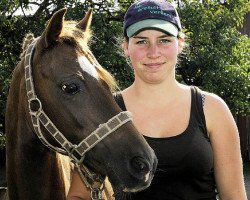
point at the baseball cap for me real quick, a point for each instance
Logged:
(151, 14)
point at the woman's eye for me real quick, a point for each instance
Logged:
(142, 42)
(164, 41)
(71, 88)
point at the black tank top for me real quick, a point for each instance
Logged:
(185, 162)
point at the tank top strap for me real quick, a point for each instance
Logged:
(119, 100)
(197, 110)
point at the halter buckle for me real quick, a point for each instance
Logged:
(96, 194)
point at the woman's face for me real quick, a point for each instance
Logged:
(153, 55)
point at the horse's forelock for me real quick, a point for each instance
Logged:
(71, 30)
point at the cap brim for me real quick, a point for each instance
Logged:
(157, 24)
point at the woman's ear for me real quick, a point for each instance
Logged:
(125, 47)
(181, 43)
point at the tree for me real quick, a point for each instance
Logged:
(217, 56)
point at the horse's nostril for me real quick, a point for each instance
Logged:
(140, 164)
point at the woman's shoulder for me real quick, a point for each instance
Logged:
(214, 101)
(217, 112)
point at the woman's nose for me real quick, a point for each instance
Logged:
(154, 51)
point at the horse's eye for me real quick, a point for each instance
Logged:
(71, 88)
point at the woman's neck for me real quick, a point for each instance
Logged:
(161, 93)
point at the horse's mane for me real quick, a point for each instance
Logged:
(73, 35)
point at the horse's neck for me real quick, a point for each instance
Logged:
(36, 175)
(33, 171)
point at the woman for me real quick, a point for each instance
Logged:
(191, 131)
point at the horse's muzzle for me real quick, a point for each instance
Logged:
(143, 170)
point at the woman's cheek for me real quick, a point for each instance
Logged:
(170, 52)
(136, 56)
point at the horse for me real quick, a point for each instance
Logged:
(60, 104)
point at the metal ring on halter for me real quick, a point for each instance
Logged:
(36, 102)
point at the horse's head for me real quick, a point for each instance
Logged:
(75, 92)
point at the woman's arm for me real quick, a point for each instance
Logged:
(77, 190)
(226, 148)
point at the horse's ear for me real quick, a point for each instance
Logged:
(54, 27)
(84, 24)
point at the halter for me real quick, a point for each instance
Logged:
(75, 152)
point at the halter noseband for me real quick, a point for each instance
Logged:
(75, 152)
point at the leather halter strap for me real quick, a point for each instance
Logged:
(38, 116)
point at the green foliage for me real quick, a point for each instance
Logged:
(217, 55)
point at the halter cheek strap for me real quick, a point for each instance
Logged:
(75, 151)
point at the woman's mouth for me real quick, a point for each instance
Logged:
(154, 65)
